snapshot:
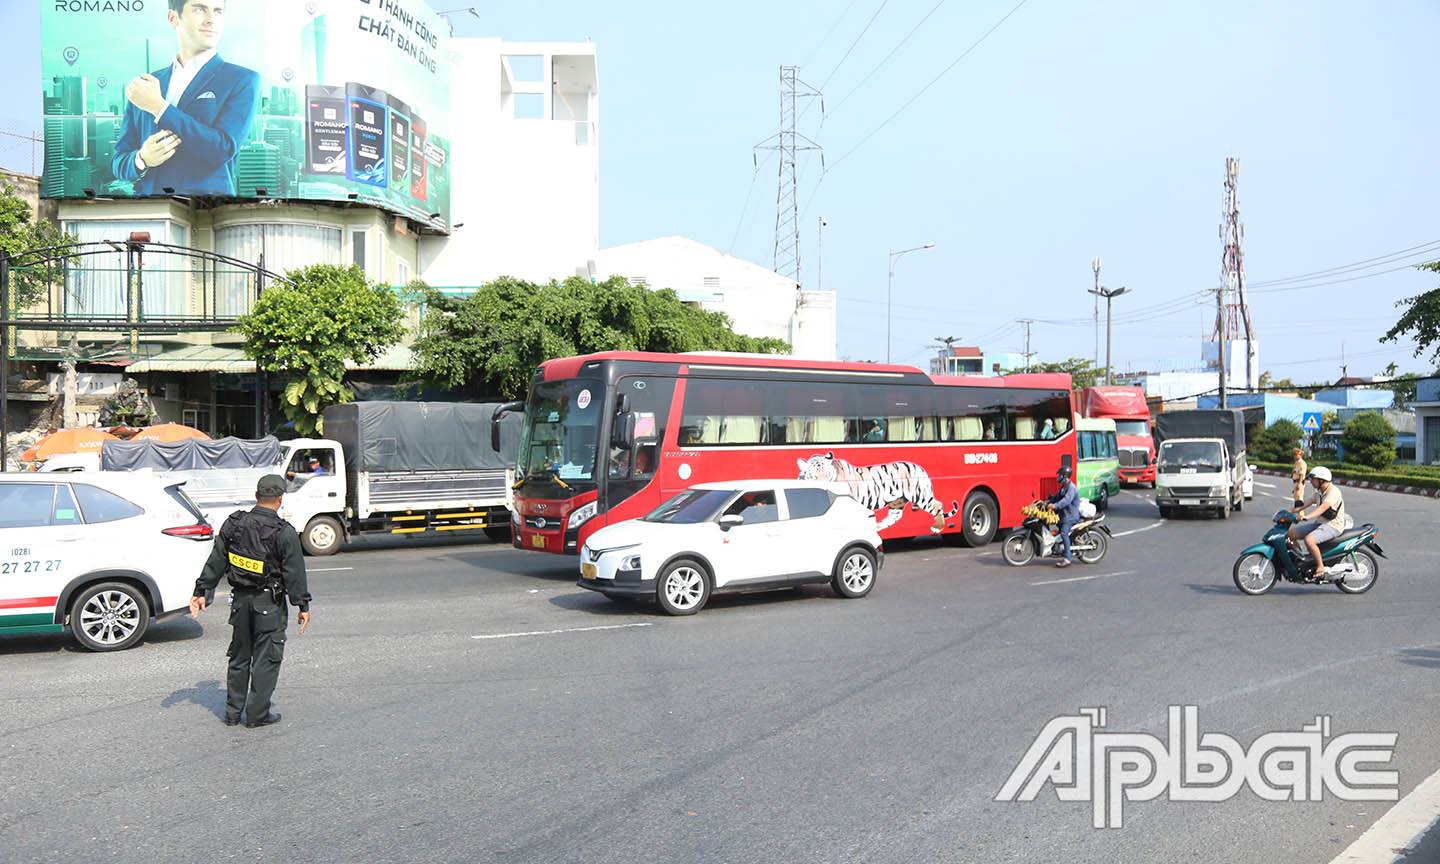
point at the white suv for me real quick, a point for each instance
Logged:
(744, 536)
(106, 552)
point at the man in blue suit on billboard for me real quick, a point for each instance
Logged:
(184, 124)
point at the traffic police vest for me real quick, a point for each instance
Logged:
(254, 557)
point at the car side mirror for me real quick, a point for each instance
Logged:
(730, 520)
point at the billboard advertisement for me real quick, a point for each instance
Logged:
(331, 100)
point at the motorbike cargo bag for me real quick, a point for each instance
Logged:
(1087, 509)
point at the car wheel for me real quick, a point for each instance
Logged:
(111, 616)
(979, 519)
(322, 536)
(854, 573)
(683, 588)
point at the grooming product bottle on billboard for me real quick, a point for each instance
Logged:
(307, 100)
(369, 135)
(399, 145)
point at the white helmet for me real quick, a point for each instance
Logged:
(1320, 471)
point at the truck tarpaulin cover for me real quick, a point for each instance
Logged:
(421, 436)
(1226, 423)
(1114, 402)
(189, 454)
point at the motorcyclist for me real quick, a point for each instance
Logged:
(1066, 503)
(1324, 520)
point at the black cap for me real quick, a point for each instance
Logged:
(270, 486)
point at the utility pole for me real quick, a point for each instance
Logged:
(1027, 322)
(1224, 336)
(1096, 266)
(948, 340)
(819, 254)
(1108, 295)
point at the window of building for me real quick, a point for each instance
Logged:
(526, 67)
(357, 249)
(402, 273)
(528, 106)
(97, 289)
(280, 246)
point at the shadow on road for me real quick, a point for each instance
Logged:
(1425, 658)
(208, 694)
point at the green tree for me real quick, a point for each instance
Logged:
(1082, 372)
(21, 232)
(491, 341)
(310, 325)
(1421, 319)
(1277, 441)
(1369, 439)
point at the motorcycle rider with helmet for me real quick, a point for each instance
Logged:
(1322, 522)
(1066, 502)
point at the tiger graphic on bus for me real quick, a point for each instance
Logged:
(885, 486)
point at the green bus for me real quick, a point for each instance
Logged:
(1097, 472)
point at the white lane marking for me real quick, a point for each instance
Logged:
(326, 569)
(1142, 528)
(1084, 578)
(1398, 829)
(566, 630)
(1266, 485)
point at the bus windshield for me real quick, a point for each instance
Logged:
(558, 442)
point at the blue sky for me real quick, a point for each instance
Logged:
(1073, 131)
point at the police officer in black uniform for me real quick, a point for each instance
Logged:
(260, 554)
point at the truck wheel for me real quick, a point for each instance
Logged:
(1239, 503)
(1224, 511)
(110, 616)
(322, 536)
(498, 533)
(1165, 512)
(979, 519)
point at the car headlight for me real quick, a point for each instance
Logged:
(581, 515)
(630, 562)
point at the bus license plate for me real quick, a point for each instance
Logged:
(587, 570)
(537, 541)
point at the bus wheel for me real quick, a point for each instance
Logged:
(1102, 499)
(322, 536)
(979, 518)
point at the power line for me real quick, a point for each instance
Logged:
(1357, 265)
(898, 45)
(846, 55)
(933, 82)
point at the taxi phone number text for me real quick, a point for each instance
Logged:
(8, 567)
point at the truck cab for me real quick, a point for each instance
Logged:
(1200, 474)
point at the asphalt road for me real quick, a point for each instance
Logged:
(467, 702)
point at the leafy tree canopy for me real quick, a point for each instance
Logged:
(1369, 439)
(491, 341)
(1421, 319)
(21, 232)
(310, 326)
(1082, 372)
(1277, 442)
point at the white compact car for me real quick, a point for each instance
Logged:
(104, 552)
(744, 536)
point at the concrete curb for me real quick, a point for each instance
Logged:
(1423, 491)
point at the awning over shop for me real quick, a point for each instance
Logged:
(211, 358)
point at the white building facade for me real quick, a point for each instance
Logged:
(759, 302)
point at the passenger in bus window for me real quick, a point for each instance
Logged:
(876, 432)
(1047, 431)
(989, 431)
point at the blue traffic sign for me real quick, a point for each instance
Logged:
(1311, 421)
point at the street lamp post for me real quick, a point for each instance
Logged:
(1108, 295)
(889, 290)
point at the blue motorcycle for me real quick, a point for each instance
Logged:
(1350, 562)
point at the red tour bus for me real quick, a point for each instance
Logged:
(608, 437)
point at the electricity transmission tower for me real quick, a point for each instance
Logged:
(789, 142)
(1232, 312)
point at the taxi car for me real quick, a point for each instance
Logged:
(742, 536)
(103, 552)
